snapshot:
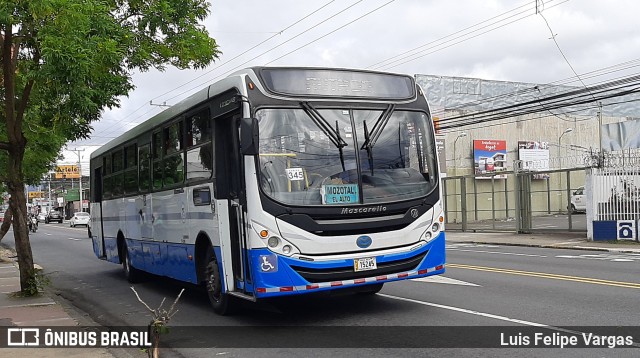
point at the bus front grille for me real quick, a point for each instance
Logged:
(347, 273)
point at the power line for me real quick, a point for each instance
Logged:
(553, 37)
(528, 105)
(500, 113)
(221, 65)
(375, 65)
(537, 88)
(274, 47)
(421, 53)
(249, 49)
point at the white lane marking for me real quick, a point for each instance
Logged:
(74, 239)
(464, 310)
(497, 252)
(6, 267)
(604, 257)
(46, 233)
(445, 280)
(464, 244)
(488, 315)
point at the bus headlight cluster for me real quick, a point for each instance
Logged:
(279, 245)
(434, 229)
(273, 241)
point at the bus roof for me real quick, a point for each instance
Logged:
(290, 82)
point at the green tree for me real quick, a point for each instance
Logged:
(65, 61)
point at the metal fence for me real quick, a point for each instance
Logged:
(520, 200)
(615, 193)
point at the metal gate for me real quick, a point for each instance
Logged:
(521, 201)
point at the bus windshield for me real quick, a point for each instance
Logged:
(334, 156)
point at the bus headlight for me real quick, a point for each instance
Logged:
(428, 236)
(435, 227)
(273, 241)
(286, 249)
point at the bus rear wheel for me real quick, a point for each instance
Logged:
(221, 302)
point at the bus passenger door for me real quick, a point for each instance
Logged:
(230, 188)
(97, 233)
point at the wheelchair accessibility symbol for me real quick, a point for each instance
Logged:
(268, 263)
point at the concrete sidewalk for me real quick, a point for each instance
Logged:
(40, 310)
(574, 241)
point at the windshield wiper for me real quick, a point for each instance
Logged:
(320, 122)
(370, 138)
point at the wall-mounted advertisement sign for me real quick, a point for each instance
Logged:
(534, 156)
(489, 158)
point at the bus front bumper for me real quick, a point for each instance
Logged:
(276, 275)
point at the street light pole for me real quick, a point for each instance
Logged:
(80, 172)
(568, 130)
(455, 155)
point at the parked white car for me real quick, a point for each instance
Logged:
(80, 218)
(578, 201)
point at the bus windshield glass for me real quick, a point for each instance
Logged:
(345, 156)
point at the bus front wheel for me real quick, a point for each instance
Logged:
(132, 274)
(221, 302)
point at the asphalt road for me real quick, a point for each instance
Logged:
(485, 286)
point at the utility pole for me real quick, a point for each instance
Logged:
(80, 172)
(600, 126)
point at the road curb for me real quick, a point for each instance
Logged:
(583, 248)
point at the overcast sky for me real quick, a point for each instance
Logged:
(494, 40)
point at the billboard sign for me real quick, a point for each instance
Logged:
(489, 157)
(67, 172)
(534, 156)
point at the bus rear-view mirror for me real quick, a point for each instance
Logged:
(249, 136)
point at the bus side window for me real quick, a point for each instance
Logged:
(106, 176)
(199, 159)
(157, 164)
(144, 174)
(117, 177)
(131, 169)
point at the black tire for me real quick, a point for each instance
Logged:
(371, 289)
(131, 273)
(573, 209)
(221, 302)
(89, 232)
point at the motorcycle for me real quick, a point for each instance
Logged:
(33, 224)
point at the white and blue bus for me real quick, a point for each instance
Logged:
(276, 181)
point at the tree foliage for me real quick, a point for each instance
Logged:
(65, 61)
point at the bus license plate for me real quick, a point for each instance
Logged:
(364, 264)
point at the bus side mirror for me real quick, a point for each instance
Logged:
(249, 136)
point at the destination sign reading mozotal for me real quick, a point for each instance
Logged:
(340, 194)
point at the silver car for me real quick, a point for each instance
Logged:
(80, 218)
